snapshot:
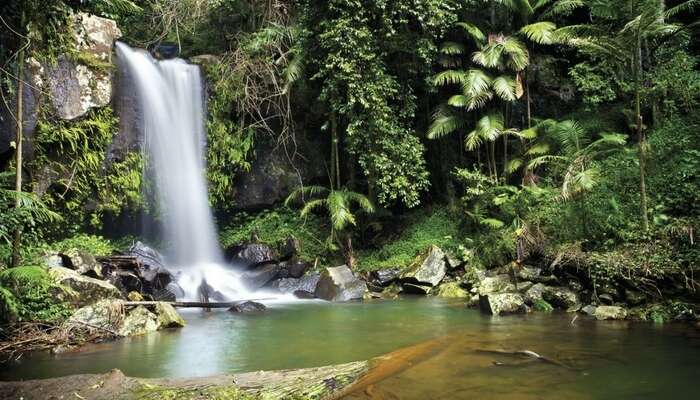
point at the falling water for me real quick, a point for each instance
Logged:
(171, 105)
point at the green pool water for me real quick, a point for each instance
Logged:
(593, 360)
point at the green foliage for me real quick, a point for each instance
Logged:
(337, 203)
(542, 306)
(29, 294)
(416, 232)
(229, 145)
(272, 227)
(74, 177)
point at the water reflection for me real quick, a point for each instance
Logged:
(594, 359)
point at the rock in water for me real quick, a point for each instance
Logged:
(248, 307)
(340, 284)
(610, 312)
(250, 255)
(87, 290)
(307, 283)
(386, 276)
(105, 314)
(168, 317)
(502, 303)
(139, 321)
(452, 290)
(427, 269)
(562, 297)
(260, 276)
(495, 284)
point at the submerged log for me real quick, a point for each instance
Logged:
(523, 353)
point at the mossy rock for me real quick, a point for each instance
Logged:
(542, 305)
(452, 290)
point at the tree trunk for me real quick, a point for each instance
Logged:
(640, 134)
(18, 152)
(334, 144)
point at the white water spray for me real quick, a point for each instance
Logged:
(171, 103)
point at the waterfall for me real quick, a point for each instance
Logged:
(171, 106)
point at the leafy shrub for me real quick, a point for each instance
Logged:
(29, 294)
(273, 226)
(417, 231)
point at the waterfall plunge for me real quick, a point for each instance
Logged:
(171, 105)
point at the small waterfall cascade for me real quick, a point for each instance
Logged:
(171, 106)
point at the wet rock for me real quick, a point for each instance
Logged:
(384, 277)
(340, 284)
(248, 307)
(303, 294)
(428, 268)
(86, 290)
(610, 312)
(453, 262)
(502, 303)
(251, 254)
(153, 269)
(535, 293)
(290, 248)
(562, 297)
(54, 259)
(495, 284)
(134, 296)
(451, 290)
(589, 310)
(296, 269)
(606, 298)
(260, 276)
(414, 288)
(307, 283)
(168, 317)
(174, 289)
(139, 321)
(542, 306)
(529, 273)
(391, 292)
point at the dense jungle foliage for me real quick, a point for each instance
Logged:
(562, 132)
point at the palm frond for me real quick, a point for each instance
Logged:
(504, 87)
(540, 32)
(473, 32)
(452, 48)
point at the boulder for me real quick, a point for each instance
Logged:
(134, 296)
(535, 293)
(451, 290)
(295, 269)
(77, 83)
(250, 255)
(303, 294)
(153, 270)
(542, 305)
(168, 317)
(495, 284)
(562, 297)
(248, 307)
(635, 298)
(391, 292)
(414, 288)
(260, 276)
(384, 277)
(105, 314)
(340, 284)
(82, 263)
(86, 290)
(139, 321)
(502, 303)
(427, 269)
(307, 283)
(290, 248)
(589, 310)
(610, 312)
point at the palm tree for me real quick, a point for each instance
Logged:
(338, 204)
(644, 28)
(497, 75)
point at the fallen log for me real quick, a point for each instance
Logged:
(191, 304)
(523, 353)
